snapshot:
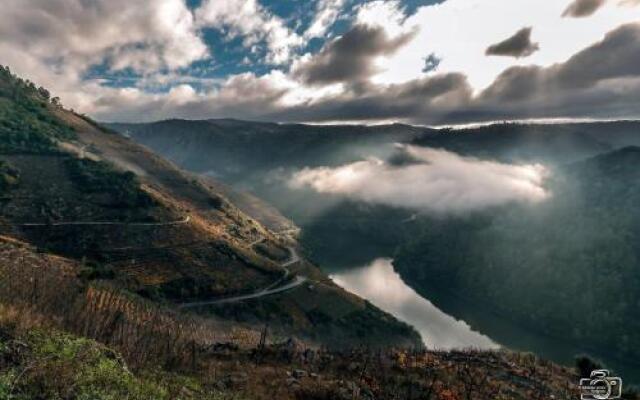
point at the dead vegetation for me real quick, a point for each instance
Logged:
(40, 289)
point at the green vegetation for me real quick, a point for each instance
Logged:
(27, 124)
(567, 267)
(9, 176)
(58, 366)
(99, 177)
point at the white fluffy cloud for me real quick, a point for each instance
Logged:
(57, 42)
(436, 181)
(459, 32)
(327, 12)
(78, 33)
(251, 21)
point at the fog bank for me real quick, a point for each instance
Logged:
(429, 180)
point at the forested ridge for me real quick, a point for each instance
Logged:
(566, 267)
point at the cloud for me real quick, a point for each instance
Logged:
(430, 99)
(350, 57)
(57, 43)
(76, 34)
(253, 23)
(601, 81)
(519, 45)
(583, 8)
(327, 12)
(486, 22)
(436, 181)
(598, 81)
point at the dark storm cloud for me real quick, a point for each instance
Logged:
(350, 57)
(583, 8)
(518, 45)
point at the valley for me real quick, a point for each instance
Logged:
(102, 239)
(319, 200)
(591, 168)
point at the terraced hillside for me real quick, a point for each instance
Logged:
(126, 217)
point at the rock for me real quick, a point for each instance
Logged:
(353, 367)
(299, 373)
(292, 382)
(236, 380)
(186, 393)
(367, 394)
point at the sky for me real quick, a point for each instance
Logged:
(426, 62)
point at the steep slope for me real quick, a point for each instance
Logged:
(537, 267)
(567, 267)
(102, 238)
(138, 222)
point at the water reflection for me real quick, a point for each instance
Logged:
(382, 286)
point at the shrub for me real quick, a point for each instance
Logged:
(99, 177)
(9, 175)
(27, 124)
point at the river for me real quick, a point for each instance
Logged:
(458, 324)
(383, 287)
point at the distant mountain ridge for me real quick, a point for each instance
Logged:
(557, 143)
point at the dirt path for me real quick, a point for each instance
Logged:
(275, 288)
(183, 221)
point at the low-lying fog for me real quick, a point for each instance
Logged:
(428, 180)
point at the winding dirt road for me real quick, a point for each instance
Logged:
(183, 221)
(275, 288)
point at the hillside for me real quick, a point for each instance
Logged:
(535, 267)
(103, 246)
(578, 251)
(41, 364)
(127, 218)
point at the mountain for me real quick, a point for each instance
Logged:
(261, 158)
(121, 276)
(234, 149)
(126, 218)
(567, 267)
(547, 143)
